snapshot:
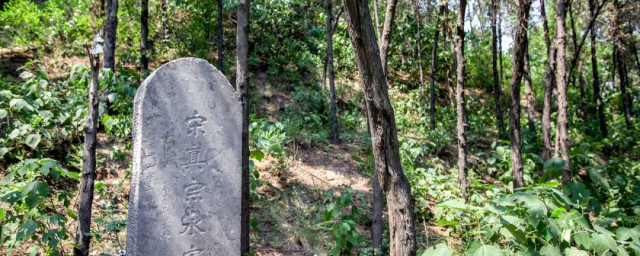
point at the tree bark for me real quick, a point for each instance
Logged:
(563, 104)
(500, 47)
(416, 14)
(621, 52)
(332, 90)
(242, 87)
(519, 56)
(528, 90)
(432, 76)
(83, 237)
(375, 11)
(144, 35)
(110, 31)
(446, 30)
(462, 125)
(596, 81)
(220, 45)
(383, 131)
(583, 93)
(497, 91)
(385, 39)
(549, 84)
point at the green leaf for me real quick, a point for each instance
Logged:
(453, 204)
(558, 211)
(624, 234)
(550, 250)
(554, 163)
(578, 193)
(447, 223)
(256, 154)
(3, 151)
(602, 243)
(575, 252)
(35, 186)
(582, 239)
(488, 250)
(26, 230)
(440, 249)
(19, 104)
(491, 160)
(32, 140)
(72, 214)
(3, 113)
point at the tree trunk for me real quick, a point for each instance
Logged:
(500, 47)
(83, 238)
(549, 84)
(332, 90)
(384, 138)
(583, 93)
(563, 103)
(163, 7)
(528, 90)
(385, 39)
(242, 87)
(621, 52)
(494, 54)
(596, 81)
(110, 31)
(144, 35)
(416, 14)
(461, 102)
(519, 56)
(220, 45)
(446, 30)
(432, 76)
(375, 11)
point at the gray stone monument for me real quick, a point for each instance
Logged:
(185, 184)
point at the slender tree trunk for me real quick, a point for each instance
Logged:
(614, 60)
(242, 87)
(446, 30)
(528, 90)
(462, 125)
(621, 52)
(583, 93)
(596, 81)
(144, 35)
(432, 76)
(378, 27)
(549, 83)
(416, 14)
(519, 57)
(332, 90)
(385, 39)
(500, 46)
(563, 103)
(220, 45)
(383, 130)
(496, 79)
(83, 238)
(163, 7)
(111, 27)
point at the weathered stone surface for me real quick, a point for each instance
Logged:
(186, 178)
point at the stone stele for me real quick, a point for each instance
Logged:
(185, 184)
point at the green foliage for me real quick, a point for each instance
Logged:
(342, 215)
(29, 212)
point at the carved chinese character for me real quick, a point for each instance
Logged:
(194, 122)
(190, 221)
(193, 161)
(193, 192)
(193, 251)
